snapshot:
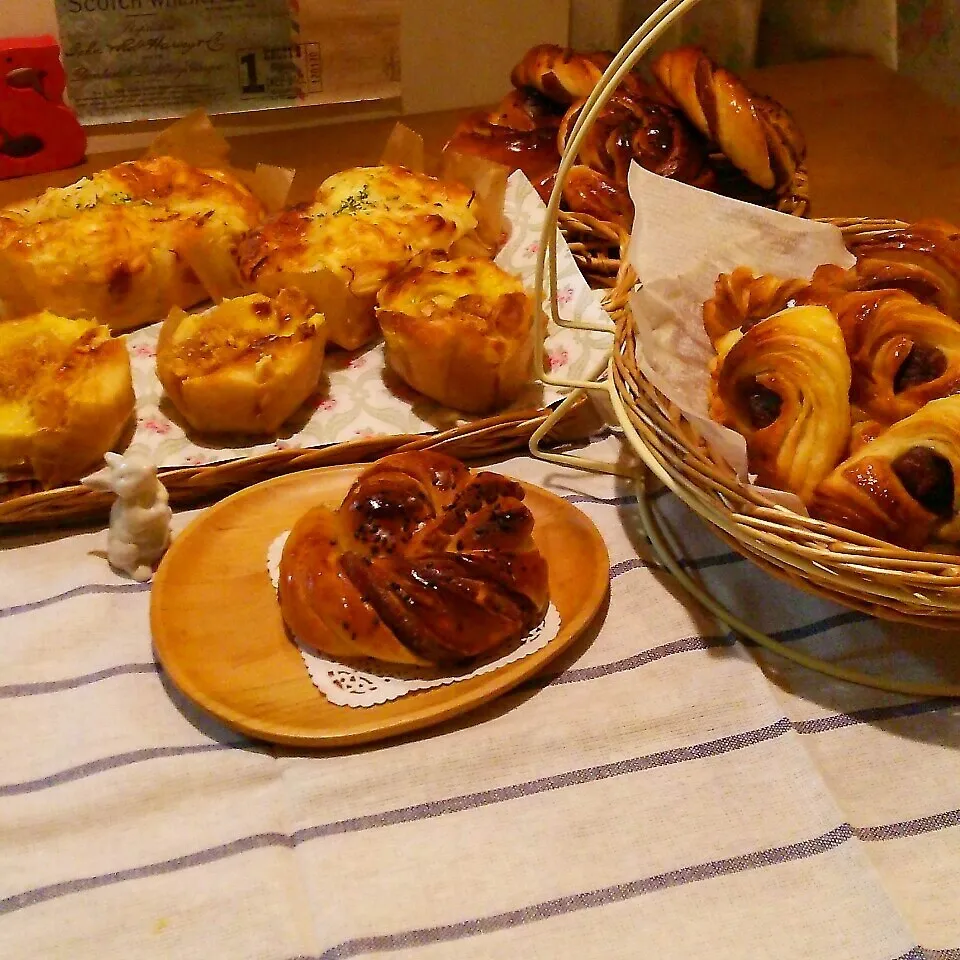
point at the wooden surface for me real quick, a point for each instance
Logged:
(878, 145)
(219, 634)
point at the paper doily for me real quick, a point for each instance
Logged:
(368, 683)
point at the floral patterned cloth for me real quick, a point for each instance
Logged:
(920, 38)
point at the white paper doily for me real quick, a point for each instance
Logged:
(373, 682)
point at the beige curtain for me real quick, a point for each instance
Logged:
(921, 38)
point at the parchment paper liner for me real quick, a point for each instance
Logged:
(682, 240)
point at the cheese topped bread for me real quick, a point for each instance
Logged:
(364, 226)
(460, 331)
(115, 246)
(66, 395)
(243, 366)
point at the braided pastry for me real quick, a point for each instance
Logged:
(784, 386)
(903, 353)
(901, 486)
(423, 563)
(754, 132)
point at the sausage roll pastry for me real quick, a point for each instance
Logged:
(902, 352)
(900, 487)
(784, 385)
(922, 258)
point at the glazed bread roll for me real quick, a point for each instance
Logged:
(560, 74)
(900, 487)
(459, 331)
(245, 365)
(922, 258)
(754, 132)
(423, 563)
(364, 226)
(629, 128)
(784, 385)
(112, 247)
(66, 395)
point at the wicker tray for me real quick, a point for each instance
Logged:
(830, 561)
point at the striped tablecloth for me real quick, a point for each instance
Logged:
(656, 794)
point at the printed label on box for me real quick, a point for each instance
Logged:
(154, 59)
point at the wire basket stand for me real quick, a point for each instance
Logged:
(546, 285)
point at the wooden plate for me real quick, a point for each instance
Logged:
(218, 632)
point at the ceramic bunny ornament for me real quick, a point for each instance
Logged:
(140, 516)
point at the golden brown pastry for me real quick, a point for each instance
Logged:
(901, 487)
(244, 366)
(423, 563)
(459, 331)
(754, 132)
(784, 385)
(922, 258)
(365, 225)
(112, 247)
(902, 352)
(66, 395)
(560, 74)
(740, 300)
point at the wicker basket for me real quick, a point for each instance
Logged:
(833, 562)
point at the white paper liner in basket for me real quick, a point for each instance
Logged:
(683, 239)
(372, 682)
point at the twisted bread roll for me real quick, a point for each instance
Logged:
(756, 133)
(900, 487)
(903, 353)
(629, 128)
(784, 386)
(423, 563)
(560, 74)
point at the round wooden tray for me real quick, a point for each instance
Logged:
(219, 635)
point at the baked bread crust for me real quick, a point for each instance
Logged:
(423, 563)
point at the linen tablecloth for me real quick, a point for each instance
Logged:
(656, 793)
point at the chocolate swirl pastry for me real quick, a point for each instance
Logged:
(784, 386)
(423, 563)
(902, 486)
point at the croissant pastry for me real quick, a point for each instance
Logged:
(784, 385)
(423, 563)
(754, 132)
(901, 486)
(922, 259)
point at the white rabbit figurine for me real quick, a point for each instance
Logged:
(140, 516)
